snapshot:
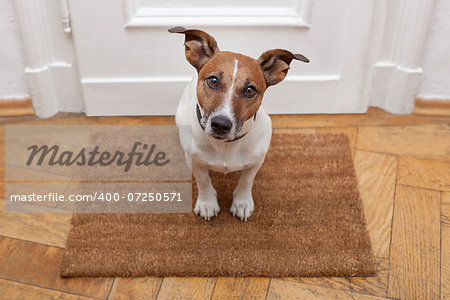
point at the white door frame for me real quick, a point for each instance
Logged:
(397, 50)
(50, 71)
(393, 58)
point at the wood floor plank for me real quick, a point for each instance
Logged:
(373, 117)
(241, 288)
(445, 208)
(427, 141)
(40, 265)
(135, 288)
(415, 257)
(424, 173)
(30, 174)
(187, 288)
(288, 289)
(376, 175)
(437, 107)
(351, 132)
(339, 283)
(376, 285)
(15, 290)
(16, 106)
(2, 143)
(2, 190)
(47, 228)
(2, 172)
(445, 262)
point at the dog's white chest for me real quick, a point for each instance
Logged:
(224, 160)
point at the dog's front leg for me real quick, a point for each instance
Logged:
(206, 205)
(243, 206)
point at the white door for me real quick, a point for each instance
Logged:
(130, 65)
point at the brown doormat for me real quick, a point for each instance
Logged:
(308, 221)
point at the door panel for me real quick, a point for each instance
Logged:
(130, 65)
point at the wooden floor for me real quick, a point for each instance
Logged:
(403, 168)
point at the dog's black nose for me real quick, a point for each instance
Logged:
(221, 124)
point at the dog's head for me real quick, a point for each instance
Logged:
(230, 85)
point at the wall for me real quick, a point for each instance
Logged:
(436, 78)
(12, 77)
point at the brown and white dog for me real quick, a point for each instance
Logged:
(230, 130)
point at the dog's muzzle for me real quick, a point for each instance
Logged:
(219, 124)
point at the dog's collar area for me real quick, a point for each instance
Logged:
(199, 118)
(236, 138)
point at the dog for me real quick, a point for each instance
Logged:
(230, 129)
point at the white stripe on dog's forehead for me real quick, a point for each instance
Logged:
(227, 107)
(235, 68)
(233, 79)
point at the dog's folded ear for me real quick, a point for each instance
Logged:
(275, 64)
(199, 46)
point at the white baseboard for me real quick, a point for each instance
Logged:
(48, 51)
(54, 88)
(393, 82)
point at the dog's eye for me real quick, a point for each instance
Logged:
(250, 91)
(213, 82)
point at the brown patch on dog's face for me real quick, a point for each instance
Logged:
(232, 83)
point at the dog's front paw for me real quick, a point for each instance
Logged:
(242, 207)
(207, 208)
